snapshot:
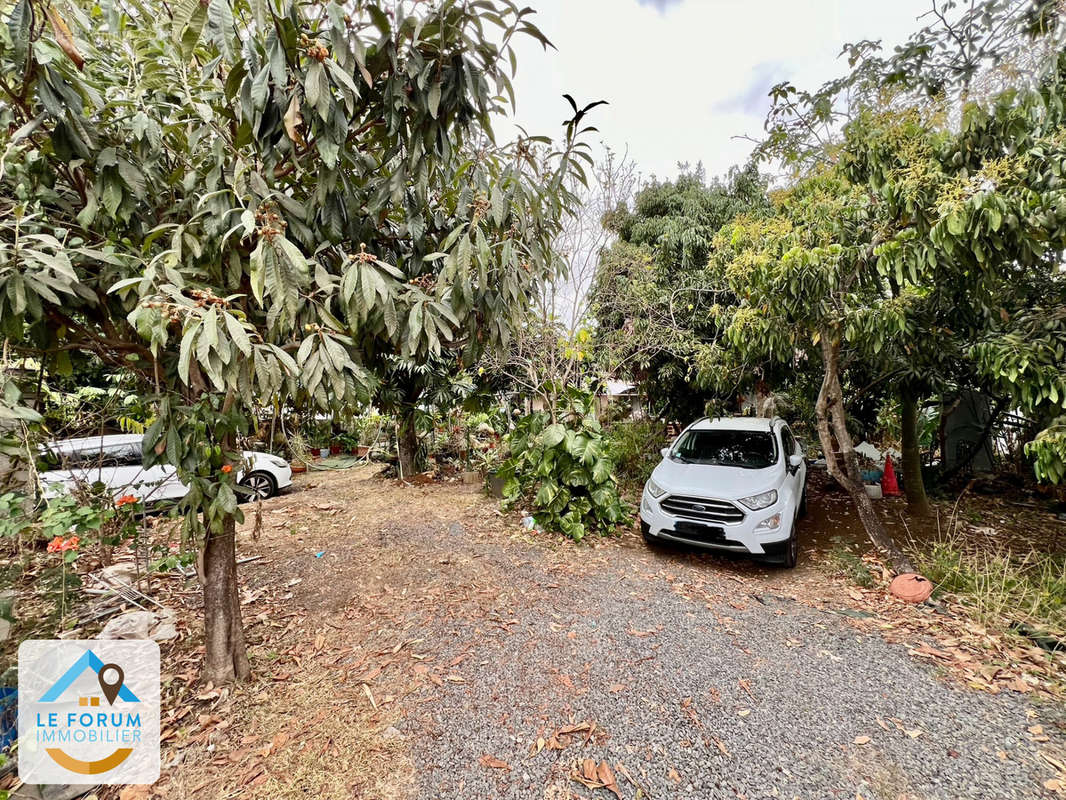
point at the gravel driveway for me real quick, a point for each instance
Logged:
(488, 663)
(697, 686)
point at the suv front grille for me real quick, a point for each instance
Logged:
(701, 508)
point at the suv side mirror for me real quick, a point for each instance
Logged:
(794, 462)
(665, 452)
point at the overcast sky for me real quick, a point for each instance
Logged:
(685, 76)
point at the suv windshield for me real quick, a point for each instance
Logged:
(723, 448)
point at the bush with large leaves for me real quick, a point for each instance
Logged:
(564, 470)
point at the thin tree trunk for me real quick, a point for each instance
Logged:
(227, 658)
(913, 483)
(832, 422)
(407, 444)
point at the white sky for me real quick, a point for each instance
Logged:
(685, 76)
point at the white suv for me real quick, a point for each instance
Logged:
(115, 461)
(731, 483)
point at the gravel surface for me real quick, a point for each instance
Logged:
(699, 686)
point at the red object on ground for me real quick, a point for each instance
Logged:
(911, 587)
(889, 484)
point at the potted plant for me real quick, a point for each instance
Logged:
(489, 462)
(347, 442)
(369, 430)
(300, 453)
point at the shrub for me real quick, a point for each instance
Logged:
(1001, 586)
(564, 470)
(635, 448)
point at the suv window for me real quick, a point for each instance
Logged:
(788, 443)
(126, 455)
(725, 448)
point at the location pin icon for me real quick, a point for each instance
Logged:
(111, 689)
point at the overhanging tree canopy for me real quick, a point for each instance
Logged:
(238, 198)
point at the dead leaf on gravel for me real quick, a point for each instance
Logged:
(593, 775)
(606, 776)
(640, 634)
(1056, 763)
(862, 740)
(493, 763)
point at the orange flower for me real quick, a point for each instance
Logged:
(125, 500)
(61, 545)
(227, 469)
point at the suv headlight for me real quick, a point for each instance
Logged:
(763, 500)
(654, 489)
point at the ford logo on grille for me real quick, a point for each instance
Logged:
(698, 507)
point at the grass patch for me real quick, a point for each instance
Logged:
(844, 562)
(1001, 586)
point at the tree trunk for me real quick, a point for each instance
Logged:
(227, 658)
(832, 422)
(407, 444)
(913, 483)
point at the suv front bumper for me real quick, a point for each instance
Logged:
(740, 537)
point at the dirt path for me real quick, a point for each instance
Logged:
(411, 642)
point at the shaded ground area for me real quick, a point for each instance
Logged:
(412, 642)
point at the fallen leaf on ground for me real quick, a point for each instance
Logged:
(493, 763)
(862, 740)
(606, 777)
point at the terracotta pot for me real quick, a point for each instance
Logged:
(911, 587)
(361, 450)
(335, 449)
(298, 467)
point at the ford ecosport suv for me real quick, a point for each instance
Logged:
(730, 483)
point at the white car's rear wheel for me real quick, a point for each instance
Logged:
(261, 484)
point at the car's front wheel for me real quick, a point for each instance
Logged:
(645, 530)
(788, 555)
(261, 485)
(791, 555)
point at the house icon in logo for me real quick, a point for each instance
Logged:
(88, 660)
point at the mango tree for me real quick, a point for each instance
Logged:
(968, 58)
(805, 277)
(235, 200)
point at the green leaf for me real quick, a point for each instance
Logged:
(434, 99)
(552, 435)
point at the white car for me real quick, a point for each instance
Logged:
(115, 461)
(732, 483)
